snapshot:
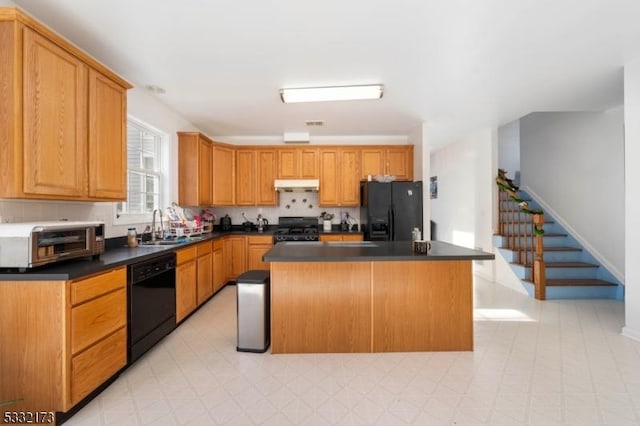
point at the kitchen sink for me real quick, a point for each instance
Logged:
(162, 243)
(173, 242)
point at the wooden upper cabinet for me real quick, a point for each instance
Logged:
(62, 117)
(400, 162)
(107, 138)
(349, 176)
(55, 120)
(329, 177)
(245, 177)
(373, 162)
(394, 160)
(195, 157)
(255, 173)
(224, 175)
(298, 163)
(339, 176)
(266, 166)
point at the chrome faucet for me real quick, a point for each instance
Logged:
(153, 225)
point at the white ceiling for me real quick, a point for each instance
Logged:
(454, 64)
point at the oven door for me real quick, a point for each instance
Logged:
(51, 245)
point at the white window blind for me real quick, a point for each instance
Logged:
(144, 177)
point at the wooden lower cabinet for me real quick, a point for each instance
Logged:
(219, 278)
(257, 246)
(340, 237)
(71, 341)
(186, 283)
(204, 267)
(235, 256)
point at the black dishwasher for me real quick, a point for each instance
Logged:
(152, 303)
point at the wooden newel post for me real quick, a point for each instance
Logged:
(539, 278)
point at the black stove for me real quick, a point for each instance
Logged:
(296, 228)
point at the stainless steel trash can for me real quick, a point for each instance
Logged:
(254, 317)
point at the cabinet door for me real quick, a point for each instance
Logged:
(186, 299)
(372, 162)
(204, 277)
(309, 163)
(227, 257)
(55, 120)
(330, 237)
(266, 165)
(224, 180)
(349, 177)
(329, 185)
(400, 163)
(238, 256)
(254, 256)
(218, 269)
(107, 138)
(245, 177)
(288, 163)
(351, 237)
(205, 173)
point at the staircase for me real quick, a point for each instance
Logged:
(569, 271)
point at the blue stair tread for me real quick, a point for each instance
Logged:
(585, 282)
(570, 265)
(576, 282)
(562, 249)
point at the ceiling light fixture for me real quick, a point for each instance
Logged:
(338, 93)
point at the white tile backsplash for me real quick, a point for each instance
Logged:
(35, 210)
(291, 204)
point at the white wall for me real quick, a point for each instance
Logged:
(142, 106)
(632, 201)
(573, 162)
(463, 210)
(509, 148)
(419, 138)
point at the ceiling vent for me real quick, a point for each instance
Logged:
(296, 137)
(314, 123)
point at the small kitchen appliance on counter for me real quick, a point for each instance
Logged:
(225, 223)
(296, 228)
(30, 244)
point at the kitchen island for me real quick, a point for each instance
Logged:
(371, 297)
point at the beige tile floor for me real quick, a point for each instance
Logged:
(535, 363)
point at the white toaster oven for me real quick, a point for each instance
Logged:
(26, 245)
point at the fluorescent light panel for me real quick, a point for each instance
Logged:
(338, 93)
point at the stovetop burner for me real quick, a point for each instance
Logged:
(296, 228)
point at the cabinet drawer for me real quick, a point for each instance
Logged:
(203, 248)
(95, 286)
(93, 320)
(260, 239)
(94, 366)
(217, 244)
(186, 255)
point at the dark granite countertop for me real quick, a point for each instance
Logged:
(117, 254)
(367, 251)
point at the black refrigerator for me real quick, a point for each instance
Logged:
(390, 211)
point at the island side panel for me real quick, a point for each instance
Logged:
(422, 306)
(320, 307)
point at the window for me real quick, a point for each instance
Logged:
(144, 172)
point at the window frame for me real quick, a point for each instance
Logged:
(163, 153)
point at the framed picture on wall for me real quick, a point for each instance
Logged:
(433, 186)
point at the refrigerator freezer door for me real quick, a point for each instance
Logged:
(375, 210)
(407, 209)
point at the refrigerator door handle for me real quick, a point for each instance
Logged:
(392, 225)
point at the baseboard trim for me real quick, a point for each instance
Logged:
(631, 333)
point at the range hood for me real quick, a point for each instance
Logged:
(297, 185)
